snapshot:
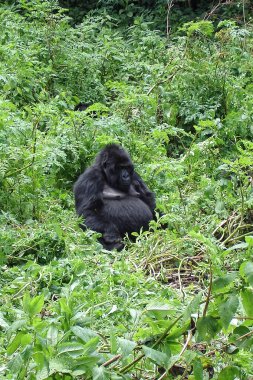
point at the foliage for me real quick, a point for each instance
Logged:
(177, 303)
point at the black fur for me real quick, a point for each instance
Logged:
(82, 106)
(112, 197)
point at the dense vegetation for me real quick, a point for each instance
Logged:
(178, 303)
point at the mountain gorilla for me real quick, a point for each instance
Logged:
(112, 198)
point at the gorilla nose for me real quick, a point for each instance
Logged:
(125, 175)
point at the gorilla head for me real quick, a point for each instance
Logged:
(117, 167)
(112, 197)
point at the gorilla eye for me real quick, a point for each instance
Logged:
(129, 169)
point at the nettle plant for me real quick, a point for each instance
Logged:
(177, 302)
(56, 340)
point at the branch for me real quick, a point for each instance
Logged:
(165, 333)
(170, 5)
(209, 292)
(112, 360)
(220, 3)
(189, 336)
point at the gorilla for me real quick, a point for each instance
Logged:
(112, 198)
(82, 106)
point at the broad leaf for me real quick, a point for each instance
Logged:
(246, 270)
(247, 301)
(33, 306)
(231, 373)
(192, 307)
(158, 357)
(197, 369)
(227, 310)
(71, 348)
(207, 328)
(221, 283)
(52, 335)
(83, 333)
(100, 373)
(126, 346)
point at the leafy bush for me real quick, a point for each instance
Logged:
(177, 303)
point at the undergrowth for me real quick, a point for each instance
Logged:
(177, 303)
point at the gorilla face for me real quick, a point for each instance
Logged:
(117, 167)
(119, 175)
(125, 176)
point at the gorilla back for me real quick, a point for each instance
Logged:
(112, 197)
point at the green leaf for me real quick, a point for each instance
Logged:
(207, 328)
(26, 302)
(158, 357)
(41, 362)
(83, 333)
(65, 307)
(71, 347)
(221, 283)
(126, 346)
(158, 307)
(32, 306)
(242, 245)
(197, 369)
(232, 349)
(15, 343)
(249, 240)
(17, 325)
(231, 373)
(247, 269)
(242, 337)
(91, 345)
(62, 364)
(100, 373)
(42, 374)
(113, 342)
(227, 310)
(159, 310)
(15, 364)
(203, 27)
(52, 335)
(3, 323)
(26, 339)
(84, 364)
(36, 305)
(219, 207)
(192, 307)
(247, 301)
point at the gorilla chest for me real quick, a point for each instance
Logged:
(130, 214)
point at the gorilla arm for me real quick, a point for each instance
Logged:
(148, 197)
(144, 193)
(88, 191)
(89, 201)
(111, 193)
